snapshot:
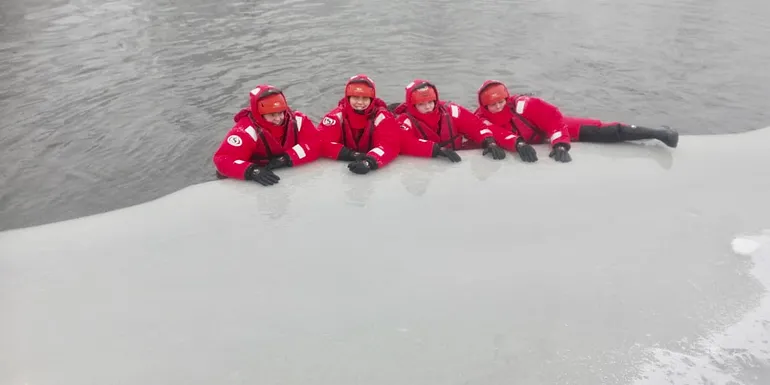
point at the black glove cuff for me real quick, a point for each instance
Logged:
(488, 141)
(436, 150)
(249, 174)
(372, 162)
(345, 154)
(562, 145)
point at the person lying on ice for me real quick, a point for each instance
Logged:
(267, 135)
(360, 129)
(432, 127)
(532, 120)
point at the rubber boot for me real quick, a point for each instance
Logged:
(621, 133)
(596, 134)
(665, 134)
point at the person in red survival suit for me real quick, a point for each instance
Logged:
(432, 127)
(266, 136)
(360, 129)
(534, 121)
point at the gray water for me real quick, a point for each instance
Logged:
(106, 104)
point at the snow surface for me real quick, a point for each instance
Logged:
(634, 264)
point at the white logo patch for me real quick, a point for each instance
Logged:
(328, 121)
(408, 86)
(255, 91)
(234, 140)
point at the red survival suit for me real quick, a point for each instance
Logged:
(347, 134)
(254, 141)
(530, 118)
(535, 120)
(448, 125)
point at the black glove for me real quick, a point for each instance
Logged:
(363, 166)
(263, 176)
(560, 153)
(526, 152)
(491, 147)
(446, 153)
(278, 162)
(349, 155)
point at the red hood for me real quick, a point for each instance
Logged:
(499, 118)
(259, 92)
(430, 118)
(357, 119)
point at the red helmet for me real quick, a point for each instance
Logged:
(424, 94)
(271, 103)
(360, 85)
(493, 94)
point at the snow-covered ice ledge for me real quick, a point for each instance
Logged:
(617, 268)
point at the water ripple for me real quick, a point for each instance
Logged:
(97, 96)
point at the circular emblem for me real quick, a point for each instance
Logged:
(234, 140)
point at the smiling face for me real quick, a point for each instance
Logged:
(360, 92)
(275, 117)
(360, 103)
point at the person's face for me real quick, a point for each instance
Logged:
(360, 103)
(275, 118)
(496, 106)
(426, 107)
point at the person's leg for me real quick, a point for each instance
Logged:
(593, 130)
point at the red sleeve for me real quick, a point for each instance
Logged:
(387, 139)
(504, 138)
(234, 153)
(308, 147)
(330, 131)
(545, 116)
(468, 124)
(410, 143)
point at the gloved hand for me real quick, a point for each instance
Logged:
(490, 147)
(278, 162)
(263, 176)
(560, 153)
(446, 153)
(349, 155)
(526, 151)
(363, 166)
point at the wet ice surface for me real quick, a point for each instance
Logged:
(426, 272)
(738, 355)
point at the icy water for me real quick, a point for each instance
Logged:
(106, 104)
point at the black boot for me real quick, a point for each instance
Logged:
(621, 133)
(596, 134)
(664, 134)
